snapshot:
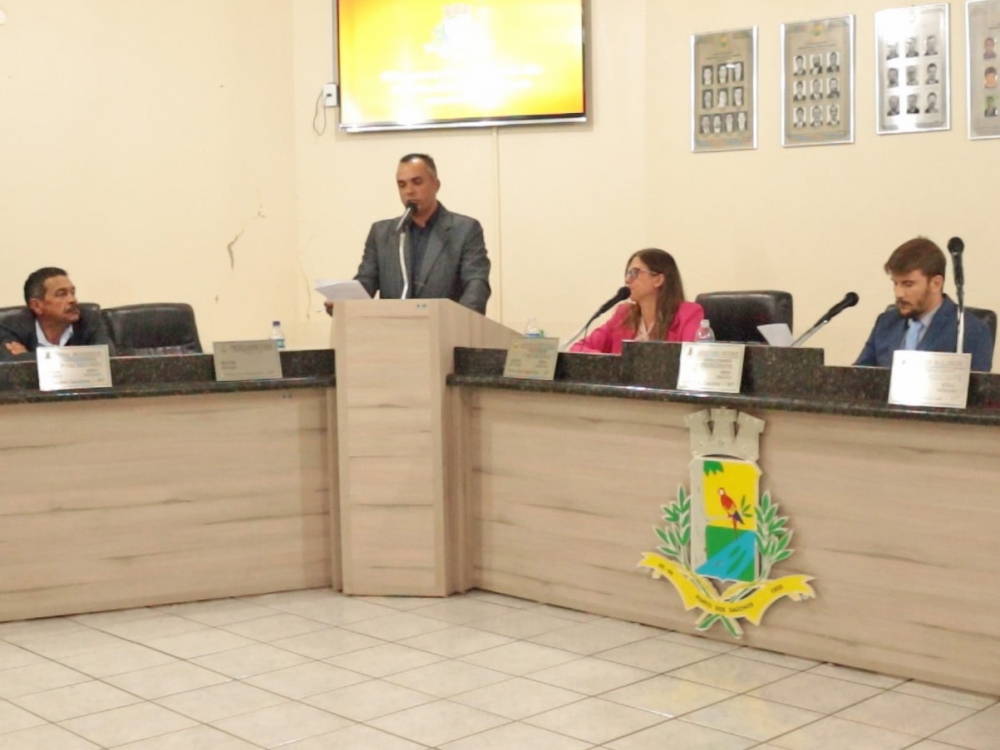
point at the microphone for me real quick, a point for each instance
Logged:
(955, 248)
(404, 220)
(620, 296)
(850, 300)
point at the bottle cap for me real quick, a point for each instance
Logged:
(276, 323)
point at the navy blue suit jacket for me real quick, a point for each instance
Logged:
(942, 336)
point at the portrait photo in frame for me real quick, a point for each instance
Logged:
(982, 61)
(724, 90)
(912, 72)
(817, 82)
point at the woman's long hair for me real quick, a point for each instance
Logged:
(670, 294)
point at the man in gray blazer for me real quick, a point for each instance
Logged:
(444, 252)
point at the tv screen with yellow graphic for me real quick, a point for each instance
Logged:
(438, 63)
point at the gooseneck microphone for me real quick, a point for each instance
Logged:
(955, 248)
(404, 223)
(850, 300)
(620, 296)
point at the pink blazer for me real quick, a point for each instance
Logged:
(609, 337)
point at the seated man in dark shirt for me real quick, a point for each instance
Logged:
(52, 318)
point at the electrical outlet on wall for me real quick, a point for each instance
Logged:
(331, 95)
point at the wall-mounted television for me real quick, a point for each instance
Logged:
(410, 64)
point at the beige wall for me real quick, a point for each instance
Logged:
(138, 139)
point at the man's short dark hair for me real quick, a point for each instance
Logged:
(425, 158)
(919, 254)
(34, 287)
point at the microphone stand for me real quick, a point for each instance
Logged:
(809, 334)
(960, 293)
(575, 336)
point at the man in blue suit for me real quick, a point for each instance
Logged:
(924, 317)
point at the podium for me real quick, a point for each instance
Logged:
(402, 509)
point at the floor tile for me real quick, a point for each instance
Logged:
(75, 700)
(14, 656)
(221, 701)
(128, 657)
(517, 737)
(369, 700)
(358, 737)
(732, 673)
(931, 745)
(37, 677)
(520, 657)
(518, 698)
(57, 645)
(589, 638)
(523, 624)
(336, 611)
(656, 655)
(837, 734)
(447, 678)
(326, 643)
(909, 714)
(503, 599)
(574, 615)
(275, 627)
(957, 697)
(279, 725)
(169, 679)
(979, 732)
(129, 724)
(149, 629)
(13, 631)
(456, 641)
(679, 735)
(595, 720)
(402, 603)
(700, 641)
(385, 660)
(591, 676)
(460, 611)
(199, 643)
(48, 737)
(397, 626)
(249, 661)
(101, 619)
(858, 675)
(752, 717)
(197, 738)
(305, 680)
(219, 612)
(772, 657)
(667, 696)
(816, 693)
(13, 718)
(436, 723)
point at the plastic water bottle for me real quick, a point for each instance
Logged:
(704, 334)
(532, 331)
(277, 336)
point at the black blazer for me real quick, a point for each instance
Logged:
(89, 330)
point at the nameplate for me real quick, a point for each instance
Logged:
(532, 358)
(63, 368)
(715, 368)
(246, 360)
(930, 379)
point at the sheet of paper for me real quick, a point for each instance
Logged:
(341, 290)
(715, 368)
(72, 367)
(930, 379)
(776, 334)
(246, 360)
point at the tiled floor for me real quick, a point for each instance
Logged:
(313, 670)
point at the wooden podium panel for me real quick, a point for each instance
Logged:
(400, 520)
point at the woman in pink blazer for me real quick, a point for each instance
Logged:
(655, 311)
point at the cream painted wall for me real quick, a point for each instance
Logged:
(818, 221)
(138, 140)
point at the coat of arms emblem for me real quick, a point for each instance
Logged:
(725, 530)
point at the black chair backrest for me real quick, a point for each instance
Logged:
(735, 315)
(987, 316)
(158, 328)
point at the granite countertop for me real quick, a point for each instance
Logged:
(172, 375)
(781, 379)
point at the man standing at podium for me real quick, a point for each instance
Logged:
(923, 317)
(443, 253)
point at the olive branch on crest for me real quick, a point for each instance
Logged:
(773, 538)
